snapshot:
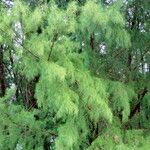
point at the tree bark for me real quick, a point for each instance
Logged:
(30, 101)
(136, 108)
(92, 40)
(2, 76)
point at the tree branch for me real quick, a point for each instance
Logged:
(51, 49)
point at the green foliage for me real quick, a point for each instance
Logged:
(104, 23)
(18, 126)
(68, 95)
(145, 114)
(120, 99)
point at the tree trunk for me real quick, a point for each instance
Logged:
(136, 108)
(92, 41)
(2, 76)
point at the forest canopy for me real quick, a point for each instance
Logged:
(74, 75)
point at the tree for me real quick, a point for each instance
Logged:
(73, 75)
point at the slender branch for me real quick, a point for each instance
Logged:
(52, 46)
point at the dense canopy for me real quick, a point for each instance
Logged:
(74, 75)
